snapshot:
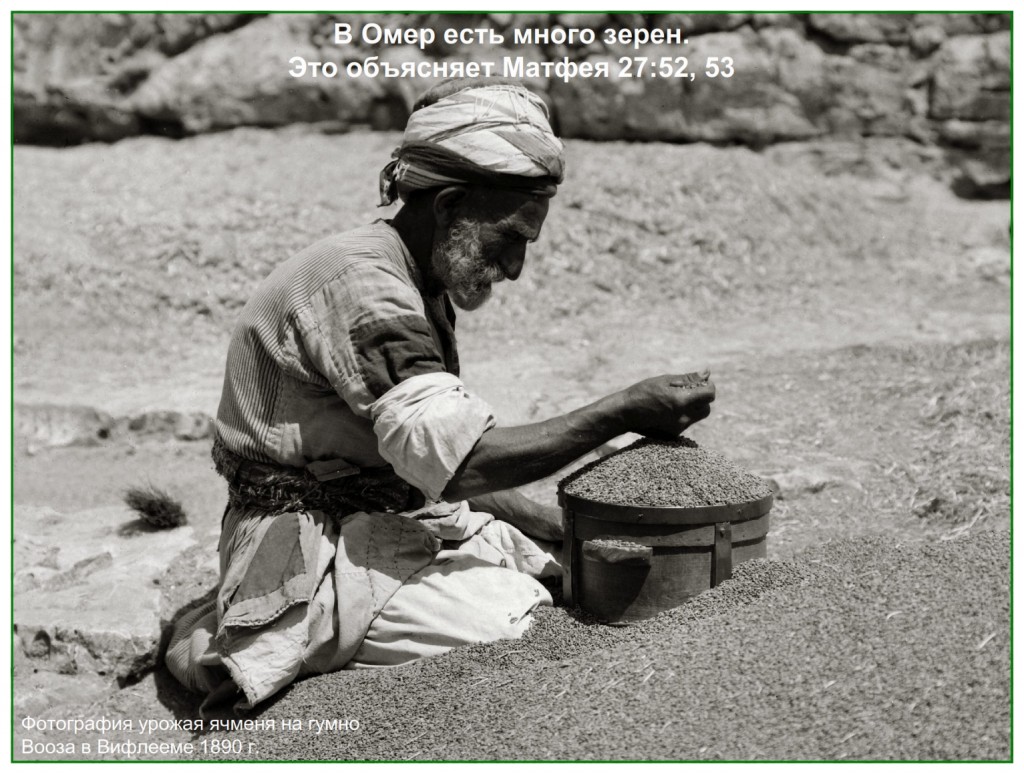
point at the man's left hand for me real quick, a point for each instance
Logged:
(542, 522)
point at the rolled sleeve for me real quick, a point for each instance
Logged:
(426, 426)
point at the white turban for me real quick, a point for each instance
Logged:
(491, 135)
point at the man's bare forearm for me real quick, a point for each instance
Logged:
(507, 457)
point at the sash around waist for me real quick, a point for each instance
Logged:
(282, 488)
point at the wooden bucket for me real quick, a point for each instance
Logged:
(679, 553)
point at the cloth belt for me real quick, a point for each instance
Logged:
(283, 489)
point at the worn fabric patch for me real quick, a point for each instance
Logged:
(390, 351)
(442, 315)
(277, 560)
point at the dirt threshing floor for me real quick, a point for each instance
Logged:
(854, 314)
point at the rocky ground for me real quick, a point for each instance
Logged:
(854, 313)
(942, 80)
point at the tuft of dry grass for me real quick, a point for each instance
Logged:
(156, 507)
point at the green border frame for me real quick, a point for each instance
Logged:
(12, 12)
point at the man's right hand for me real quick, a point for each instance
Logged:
(664, 406)
(506, 457)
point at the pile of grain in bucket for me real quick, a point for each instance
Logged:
(674, 474)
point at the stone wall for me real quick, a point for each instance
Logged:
(939, 79)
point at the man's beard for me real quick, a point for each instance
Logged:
(459, 262)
